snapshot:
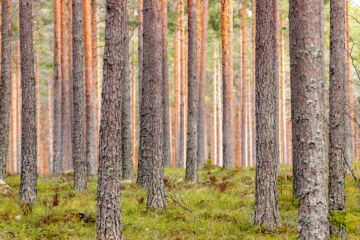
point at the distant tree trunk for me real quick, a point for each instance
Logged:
(202, 82)
(215, 109)
(133, 113)
(165, 87)
(28, 183)
(151, 171)
(252, 110)
(267, 123)
(57, 164)
(180, 162)
(126, 153)
(140, 66)
(227, 86)
(13, 115)
(193, 95)
(70, 99)
(116, 68)
(337, 97)
(18, 110)
(78, 121)
(89, 93)
(177, 87)
(5, 85)
(307, 91)
(243, 86)
(219, 116)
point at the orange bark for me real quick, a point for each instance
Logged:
(177, 69)
(243, 88)
(215, 114)
(18, 108)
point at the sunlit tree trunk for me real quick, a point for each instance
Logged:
(243, 86)
(70, 98)
(89, 92)
(282, 106)
(252, 109)
(18, 110)
(307, 92)
(13, 116)
(116, 67)
(267, 123)
(5, 85)
(177, 99)
(140, 64)
(215, 113)
(28, 183)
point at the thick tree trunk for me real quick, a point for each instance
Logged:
(193, 95)
(28, 183)
(227, 86)
(5, 82)
(116, 68)
(165, 87)
(126, 153)
(243, 86)
(151, 172)
(78, 121)
(89, 93)
(337, 98)
(267, 123)
(308, 131)
(57, 164)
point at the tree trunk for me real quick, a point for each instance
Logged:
(252, 112)
(193, 95)
(133, 112)
(126, 153)
(227, 86)
(78, 121)
(89, 93)
(307, 88)
(140, 69)
(151, 154)
(337, 98)
(267, 119)
(177, 87)
(243, 86)
(165, 87)
(70, 73)
(5, 85)
(28, 183)
(116, 68)
(57, 164)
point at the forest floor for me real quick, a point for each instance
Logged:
(219, 206)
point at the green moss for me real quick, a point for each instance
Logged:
(221, 205)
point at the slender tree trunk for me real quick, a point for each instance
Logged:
(192, 138)
(70, 73)
(5, 82)
(220, 116)
(252, 109)
(78, 121)
(349, 121)
(337, 98)
(243, 86)
(177, 99)
(89, 93)
(267, 123)
(13, 116)
(140, 68)
(165, 87)
(307, 87)
(133, 113)
(116, 68)
(57, 164)
(180, 162)
(19, 107)
(215, 142)
(28, 183)
(227, 86)
(126, 154)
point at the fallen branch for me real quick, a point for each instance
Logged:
(353, 174)
(181, 204)
(8, 232)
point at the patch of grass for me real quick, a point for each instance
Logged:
(221, 204)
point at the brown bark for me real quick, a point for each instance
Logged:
(215, 113)
(78, 120)
(308, 131)
(267, 123)
(37, 88)
(227, 101)
(252, 109)
(13, 117)
(18, 110)
(243, 86)
(191, 172)
(116, 67)
(133, 114)
(89, 93)
(337, 98)
(140, 64)
(70, 84)
(28, 183)
(57, 164)
(5, 82)
(177, 99)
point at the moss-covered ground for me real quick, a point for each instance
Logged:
(219, 206)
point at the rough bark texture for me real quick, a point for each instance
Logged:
(227, 87)
(165, 87)
(140, 55)
(28, 183)
(126, 151)
(202, 82)
(89, 93)
(5, 85)
(57, 166)
(108, 221)
(78, 121)
(308, 137)
(243, 85)
(267, 124)
(151, 173)
(192, 121)
(337, 98)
